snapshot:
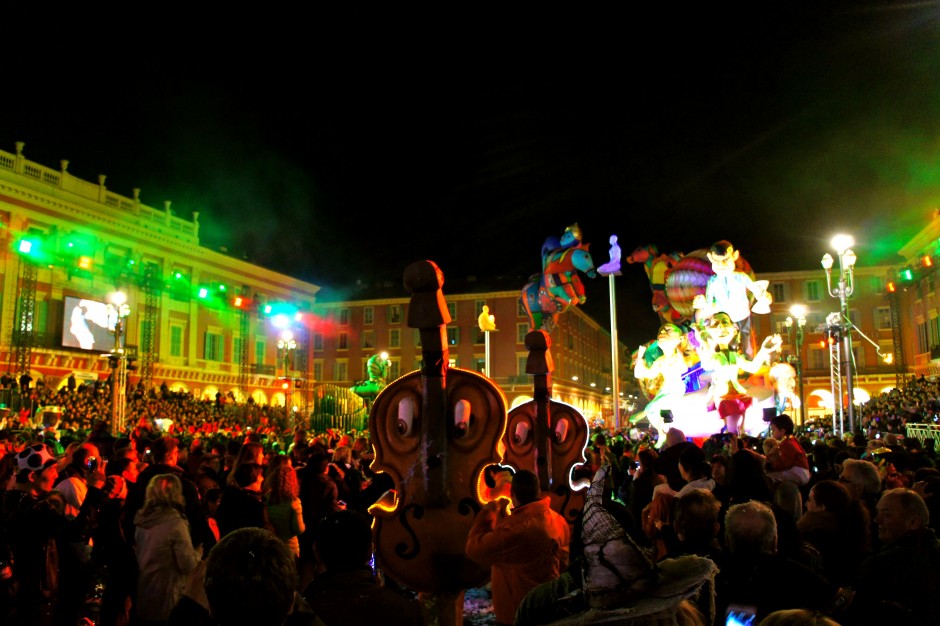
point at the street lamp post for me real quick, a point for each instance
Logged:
(611, 270)
(118, 309)
(797, 321)
(844, 288)
(286, 344)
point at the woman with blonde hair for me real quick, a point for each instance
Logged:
(285, 511)
(164, 549)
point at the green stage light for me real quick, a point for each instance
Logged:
(203, 293)
(33, 247)
(906, 274)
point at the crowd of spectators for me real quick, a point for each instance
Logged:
(794, 520)
(797, 518)
(118, 529)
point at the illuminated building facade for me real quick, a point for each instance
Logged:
(355, 328)
(203, 322)
(869, 310)
(914, 293)
(196, 318)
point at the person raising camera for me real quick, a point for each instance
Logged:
(85, 469)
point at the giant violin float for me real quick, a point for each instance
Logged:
(548, 437)
(434, 432)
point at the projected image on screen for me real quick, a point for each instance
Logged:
(86, 325)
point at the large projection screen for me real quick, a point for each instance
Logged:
(85, 325)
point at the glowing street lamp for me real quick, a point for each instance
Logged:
(797, 320)
(845, 286)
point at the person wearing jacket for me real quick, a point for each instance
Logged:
(165, 458)
(788, 460)
(33, 515)
(164, 549)
(524, 548)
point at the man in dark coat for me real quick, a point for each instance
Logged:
(901, 582)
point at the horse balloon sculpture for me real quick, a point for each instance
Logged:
(550, 293)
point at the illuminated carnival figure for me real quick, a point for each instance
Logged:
(727, 291)
(486, 321)
(612, 266)
(558, 287)
(377, 366)
(723, 359)
(784, 378)
(657, 266)
(670, 371)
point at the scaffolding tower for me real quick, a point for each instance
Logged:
(24, 335)
(244, 323)
(900, 365)
(150, 284)
(834, 336)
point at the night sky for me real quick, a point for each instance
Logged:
(341, 146)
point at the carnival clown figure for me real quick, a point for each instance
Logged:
(667, 374)
(728, 290)
(723, 358)
(784, 379)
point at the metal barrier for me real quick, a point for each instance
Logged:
(923, 431)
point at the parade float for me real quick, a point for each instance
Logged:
(705, 372)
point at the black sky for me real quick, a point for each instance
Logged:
(343, 145)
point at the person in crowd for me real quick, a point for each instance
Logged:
(37, 529)
(753, 574)
(248, 452)
(165, 454)
(747, 479)
(523, 549)
(282, 501)
(668, 462)
(112, 555)
(164, 549)
(319, 497)
(863, 481)
(640, 482)
(249, 577)
(787, 460)
(349, 480)
(86, 465)
(242, 505)
(927, 485)
(721, 468)
(343, 543)
(695, 522)
(789, 499)
(695, 471)
(366, 455)
(101, 437)
(900, 583)
(838, 527)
